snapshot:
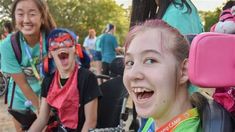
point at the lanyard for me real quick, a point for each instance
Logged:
(32, 63)
(171, 125)
(147, 125)
(41, 55)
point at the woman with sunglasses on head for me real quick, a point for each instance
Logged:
(72, 91)
(32, 21)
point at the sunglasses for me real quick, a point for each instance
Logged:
(64, 41)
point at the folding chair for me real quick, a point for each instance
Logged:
(212, 65)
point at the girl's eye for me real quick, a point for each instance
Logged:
(32, 14)
(149, 61)
(19, 14)
(129, 63)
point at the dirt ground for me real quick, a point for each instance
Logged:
(6, 124)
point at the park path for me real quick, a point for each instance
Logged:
(6, 124)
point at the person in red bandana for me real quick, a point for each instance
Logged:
(72, 91)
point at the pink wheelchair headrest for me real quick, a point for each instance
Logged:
(212, 60)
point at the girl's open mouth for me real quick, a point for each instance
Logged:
(64, 58)
(143, 93)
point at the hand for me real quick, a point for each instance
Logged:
(37, 112)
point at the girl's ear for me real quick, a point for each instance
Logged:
(184, 72)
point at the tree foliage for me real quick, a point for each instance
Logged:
(5, 9)
(209, 18)
(81, 15)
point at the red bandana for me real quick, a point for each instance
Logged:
(65, 99)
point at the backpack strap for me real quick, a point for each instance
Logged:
(12, 96)
(15, 43)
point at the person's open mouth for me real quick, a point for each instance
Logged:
(64, 58)
(143, 94)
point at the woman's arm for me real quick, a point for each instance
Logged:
(90, 110)
(42, 119)
(21, 81)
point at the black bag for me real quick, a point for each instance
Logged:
(24, 117)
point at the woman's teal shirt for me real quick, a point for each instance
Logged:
(185, 22)
(9, 64)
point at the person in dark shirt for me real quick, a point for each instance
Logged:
(70, 90)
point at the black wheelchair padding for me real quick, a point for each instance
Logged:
(111, 103)
(216, 118)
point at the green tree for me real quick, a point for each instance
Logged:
(5, 10)
(81, 15)
(209, 18)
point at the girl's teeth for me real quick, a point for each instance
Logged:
(139, 90)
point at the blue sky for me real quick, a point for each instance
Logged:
(204, 5)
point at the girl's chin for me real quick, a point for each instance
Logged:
(143, 112)
(28, 33)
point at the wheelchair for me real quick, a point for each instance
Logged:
(3, 83)
(113, 101)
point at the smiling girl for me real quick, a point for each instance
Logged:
(33, 22)
(156, 77)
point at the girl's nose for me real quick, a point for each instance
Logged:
(26, 18)
(136, 72)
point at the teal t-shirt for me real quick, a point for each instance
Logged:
(97, 43)
(179, 18)
(108, 44)
(9, 64)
